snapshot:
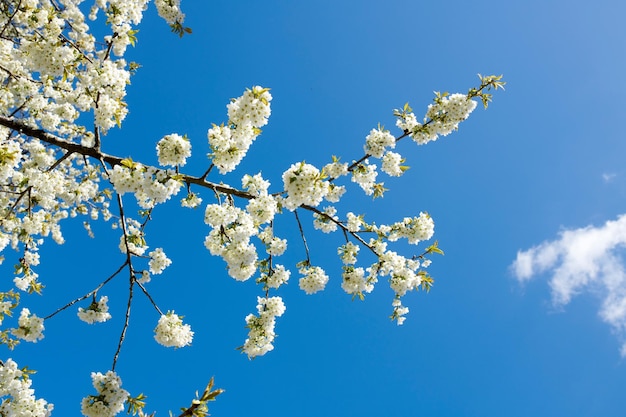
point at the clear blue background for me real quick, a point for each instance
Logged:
(478, 344)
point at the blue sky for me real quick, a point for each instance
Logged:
(544, 162)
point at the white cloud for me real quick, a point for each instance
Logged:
(608, 177)
(579, 260)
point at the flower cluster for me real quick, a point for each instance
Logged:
(378, 141)
(30, 327)
(230, 238)
(192, 200)
(327, 220)
(277, 277)
(355, 282)
(158, 261)
(314, 279)
(304, 185)
(403, 272)
(171, 332)
(391, 164)
(150, 185)
(365, 176)
(348, 253)
(133, 239)
(21, 400)
(261, 333)
(399, 311)
(96, 312)
(414, 229)
(274, 246)
(170, 11)
(173, 150)
(110, 398)
(442, 117)
(247, 114)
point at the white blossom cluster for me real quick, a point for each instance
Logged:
(150, 185)
(348, 253)
(414, 229)
(30, 327)
(314, 279)
(133, 239)
(192, 200)
(399, 311)
(377, 142)
(35, 199)
(391, 164)
(354, 222)
(326, 222)
(261, 333)
(18, 398)
(274, 245)
(304, 185)
(442, 118)
(355, 282)
(365, 176)
(170, 11)
(158, 261)
(230, 238)
(247, 114)
(279, 276)
(97, 312)
(171, 332)
(402, 272)
(110, 398)
(173, 150)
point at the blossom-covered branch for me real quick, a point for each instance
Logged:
(62, 90)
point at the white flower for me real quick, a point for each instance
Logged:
(170, 11)
(30, 327)
(354, 281)
(304, 186)
(378, 141)
(252, 108)
(256, 185)
(110, 399)
(173, 150)
(21, 401)
(354, 222)
(158, 261)
(414, 229)
(191, 201)
(399, 311)
(171, 331)
(261, 333)
(314, 279)
(348, 253)
(324, 222)
(336, 169)
(276, 246)
(365, 175)
(96, 312)
(391, 164)
(262, 209)
(145, 277)
(278, 277)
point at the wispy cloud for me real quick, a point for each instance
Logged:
(579, 260)
(608, 177)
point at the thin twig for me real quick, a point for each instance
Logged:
(306, 247)
(149, 297)
(94, 291)
(126, 322)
